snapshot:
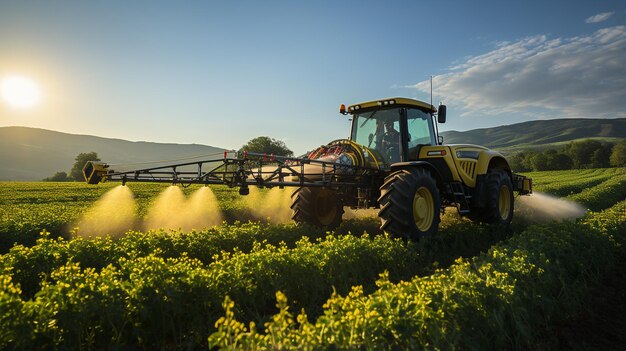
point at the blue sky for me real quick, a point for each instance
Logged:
(221, 73)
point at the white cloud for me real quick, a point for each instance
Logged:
(601, 17)
(539, 77)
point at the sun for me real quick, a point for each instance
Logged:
(19, 92)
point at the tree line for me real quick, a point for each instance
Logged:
(575, 155)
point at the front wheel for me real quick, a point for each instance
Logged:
(409, 204)
(321, 207)
(499, 201)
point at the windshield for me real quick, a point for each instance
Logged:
(379, 130)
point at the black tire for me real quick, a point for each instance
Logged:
(410, 204)
(499, 201)
(321, 207)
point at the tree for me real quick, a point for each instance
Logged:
(77, 170)
(539, 162)
(521, 161)
(559, 161)
(618, 154)
(549, 154)
(58, 177)
(528, 156)
(267, 145)
(517, 162)
(600, 157)
(581, 152)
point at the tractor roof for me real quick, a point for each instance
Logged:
(396, 101)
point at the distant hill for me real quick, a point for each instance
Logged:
(545, 133)
(33, 154)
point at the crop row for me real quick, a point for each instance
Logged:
(28, 208)
(575, 185)
(25, 193)
(603, 195)
(595, 189)
(28, 264)
(152, 299)
(499, 299)
(555, 177)
(165, 289)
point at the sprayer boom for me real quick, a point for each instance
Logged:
(255, 169)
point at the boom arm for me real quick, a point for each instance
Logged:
(248, 169)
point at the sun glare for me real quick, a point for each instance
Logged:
(19, 92)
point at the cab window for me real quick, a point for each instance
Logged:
(420, 128)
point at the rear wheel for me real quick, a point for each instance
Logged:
(499, 201)
(409, 204)
(320, 207)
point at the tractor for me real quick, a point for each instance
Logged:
(394, 160)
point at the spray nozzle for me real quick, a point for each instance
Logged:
(244, 190)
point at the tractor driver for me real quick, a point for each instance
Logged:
(391, 142)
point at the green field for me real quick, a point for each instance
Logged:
(260, 285)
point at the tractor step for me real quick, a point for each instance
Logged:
(460, 198)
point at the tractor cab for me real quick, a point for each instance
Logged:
(394, 129)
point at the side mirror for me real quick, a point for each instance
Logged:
(441, 114)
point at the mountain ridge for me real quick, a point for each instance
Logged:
(541, 133)
(35, 153)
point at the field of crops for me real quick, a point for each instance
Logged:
(260, 285)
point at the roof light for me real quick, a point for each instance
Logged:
(342, 109)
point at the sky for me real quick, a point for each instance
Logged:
(220, 73)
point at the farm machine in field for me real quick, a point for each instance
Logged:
(394, 160)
